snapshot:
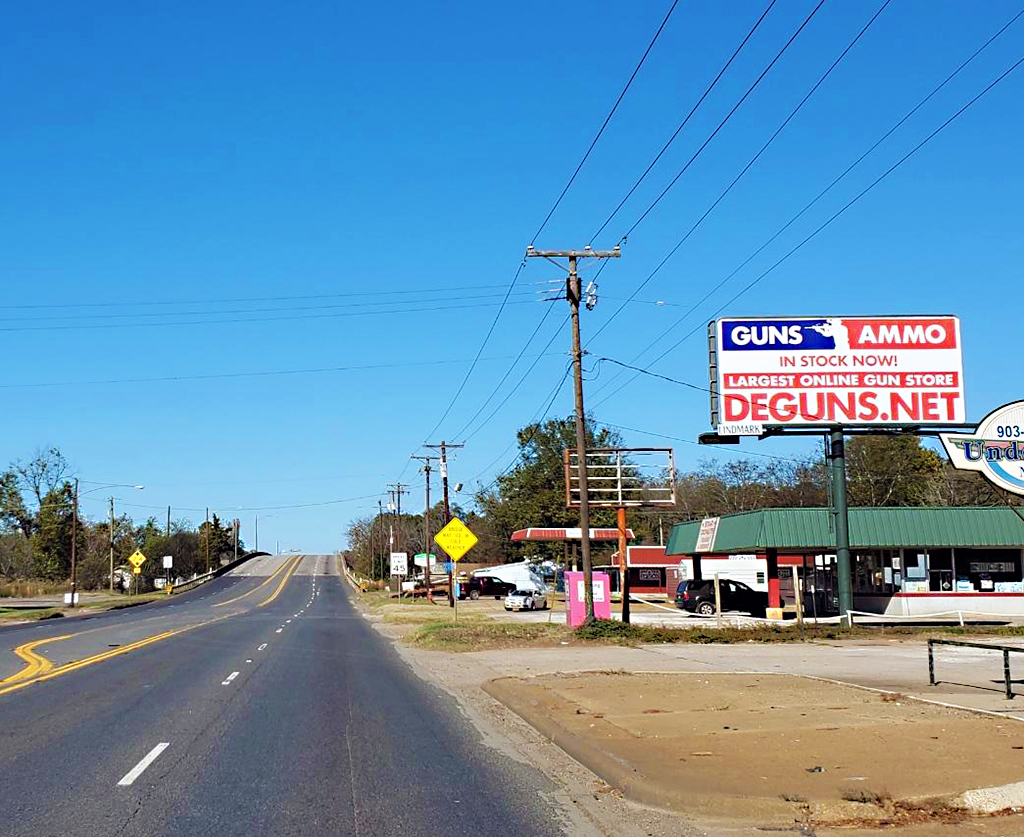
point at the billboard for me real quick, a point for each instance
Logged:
(807, 371)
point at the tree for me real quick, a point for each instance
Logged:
(14, 514)
(532, 493)
(892, 471)
(51, 540)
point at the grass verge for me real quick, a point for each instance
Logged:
(473, 635)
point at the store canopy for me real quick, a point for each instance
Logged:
(549, 534)
(870, 528)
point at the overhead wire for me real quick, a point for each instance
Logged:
(607, 119)
(522, 264)
(833, 217)
(685, 121)
(746, 168)
(714, 289)
(724, 121)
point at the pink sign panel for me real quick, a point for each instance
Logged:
(575, 593)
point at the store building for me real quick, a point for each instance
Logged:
(904, 561)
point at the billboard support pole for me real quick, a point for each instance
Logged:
(837, 458)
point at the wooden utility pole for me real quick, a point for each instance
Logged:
(443, 447)
(573, 293)
(74, 537)
(111, 545)
(426, 525)
(168, 530)
(208, 566)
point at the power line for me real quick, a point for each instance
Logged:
(724, 121)
(508, 371)
(535, 421)
(258, 374)
(683, 124)
(95, 326)
(828, 188)
(746, 168)
(722, 448)
(833, 217)
(276, 309)
(146, 303)
(604, 124)
(547, 218)
(521, 380)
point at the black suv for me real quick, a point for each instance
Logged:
(699, 597)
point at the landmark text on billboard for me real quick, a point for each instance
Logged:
(837, 370)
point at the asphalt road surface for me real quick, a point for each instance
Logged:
(259, 704)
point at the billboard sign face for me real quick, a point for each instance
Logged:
(806, 371)
(995, 448)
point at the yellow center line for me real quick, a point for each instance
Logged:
(284, 581)
(34, 663)
(49, 672)
(258, 587)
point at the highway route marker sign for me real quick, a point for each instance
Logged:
(456, 539)
(137, 559)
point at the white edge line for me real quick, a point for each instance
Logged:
(147, 760)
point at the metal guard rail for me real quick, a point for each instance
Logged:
(1006, 649)
(201, 579)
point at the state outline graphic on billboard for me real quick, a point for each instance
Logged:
(835, 370)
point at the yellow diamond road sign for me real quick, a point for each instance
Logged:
(137, 559)
(456, 539)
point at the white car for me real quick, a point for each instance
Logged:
(526, 600)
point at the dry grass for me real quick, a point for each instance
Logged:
(29, 589)
(472, 636)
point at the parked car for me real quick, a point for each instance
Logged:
(526, 600)
(699, 597)
(484, 585)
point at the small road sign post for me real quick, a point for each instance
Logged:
(137, 559)
(456, 539)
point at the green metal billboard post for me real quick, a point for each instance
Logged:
(837, 458)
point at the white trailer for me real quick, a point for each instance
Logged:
(523, 575)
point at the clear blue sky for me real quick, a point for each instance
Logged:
(230, 158)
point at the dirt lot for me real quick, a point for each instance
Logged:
(779, 745)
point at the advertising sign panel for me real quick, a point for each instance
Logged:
(995, 449)
(802, 371)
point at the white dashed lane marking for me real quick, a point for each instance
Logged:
(231, 677)
(264, 645)
(278, 630)
(147, 760)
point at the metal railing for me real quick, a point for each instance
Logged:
(1006, 649)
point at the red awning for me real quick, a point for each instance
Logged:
(540, 534)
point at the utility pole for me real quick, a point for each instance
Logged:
(443, 447)
(380, 535)
(208, 567)
(74, 537)
(111, 545)
(397, 489)
(256, 532)
(573, 294)
(234, 526)
(167, 532)
(426, 525)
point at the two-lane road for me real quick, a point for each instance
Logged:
(279, 713)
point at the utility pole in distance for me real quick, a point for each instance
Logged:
(573, 294)
(443, 447)
(426, 525)
(397, 489)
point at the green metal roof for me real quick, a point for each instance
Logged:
(810, 528)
